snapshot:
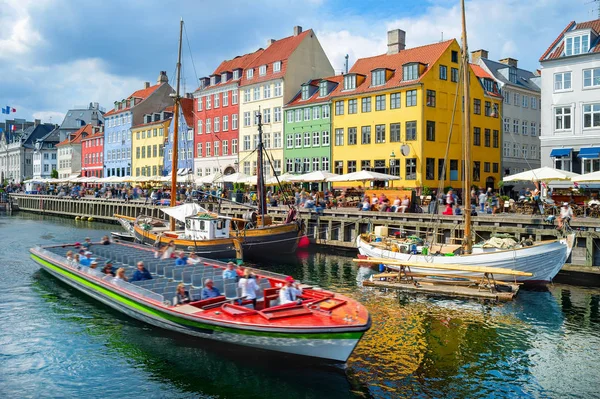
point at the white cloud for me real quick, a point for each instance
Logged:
(18, 35)
(338, 44)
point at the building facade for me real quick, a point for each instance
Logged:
(393, 113)
(269, 82)
(185, 140)
(307, 127)
(148, 141)
(216, 119)
(92, 154)
(570, 138)
(125, 114)
(521, 112)
(69, 152)
(44, 155)
(79, 116)
(17, 149)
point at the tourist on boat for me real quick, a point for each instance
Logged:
(181, 259)
(93, 264)
(290, 291)
(193, 259)
(105, 240)
(121, 274)
(183, 296)
(87, 259)
(69, 255)
(141, 273)
(230, 272)
(87, 243)
(108, 268)
(76, 258)
(77, 245)
(209, 290)
(566, 214)
(248, 286)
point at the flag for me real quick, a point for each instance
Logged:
(4, 111)
(8, 109)
(14, 110)
(13, 128)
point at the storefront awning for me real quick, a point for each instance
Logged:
(560, 152)
(589, 152)
(184, 171)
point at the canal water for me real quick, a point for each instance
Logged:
(56, 342)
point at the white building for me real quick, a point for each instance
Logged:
(570, 138)
(44, 155)
(69, 152)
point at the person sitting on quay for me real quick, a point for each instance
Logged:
(366, 204)
(141, 273)
(121, 274)
(230, 273)
(87, 260)
(181, 259)
(249, 286)
(105, 240)
(566, 214)
(183, 296)
(290, 292)
(108, 268)
(193, 259)
(404, 205)
(209, 290)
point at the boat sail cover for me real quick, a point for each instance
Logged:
(183, 211)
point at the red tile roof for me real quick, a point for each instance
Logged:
(141, 94)
(280, 50)
(93, 136)
(239, 62)
(480, 72)
(75, 138)
(427, 55)
(187, 107)
(315, 99)
(556, 48)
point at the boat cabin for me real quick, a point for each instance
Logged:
(206, 227)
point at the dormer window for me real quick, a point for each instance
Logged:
(322, 89)
(378, 77)
(512, 74)
(410, 72)
(577, 44)
(349, 82)
(213, 80)
(250, 73)
(277, 66)
(262, 70)
(236, 74)
(305, 92)
(224, 77)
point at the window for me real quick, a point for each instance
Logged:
(266, 140)
(339, 136)
(208, 102)
(512, 74)
(443, 72)
(217, 124)
(225, 123)
(515, 150)
(249, 73)
(208, 125)
(411, 168)
(477, 106)
(365, 135)
(225, 98)
(351, 166)
(410, 72)
(516, 126)
(562, 118)
(488, 108)
(246, 143)
(394, 132)
(316, 113)
(476, 136)
(524, 125)
(306, 139)
(562, 81)
(365, 165)
(154, 150)
(487, 138)
(366, 104)
(316, 139)
(234, 96)
(411, 130)
(339, 167)
(216, 99)
(298, 140)
(316, 164)
(454, 56)
(325, 111)
(254, 141)
(454, 75)
(277, 114)
(200, 100)
(247, 118)
(278, 89)
(290, 116)
(411, 98)
(506, 149)
(267, 115)
(277, 66)
(289, 141)
(486, 167)
(352, 139)
(591, 115)
(234, 122)
(506, 125)
(533, 129)
(256, 93)
(591, 78)
(441, 172)
(339, 107)
(430, 131)
(380, 133)
(430, 169)
(577, 45)
(306, 114)
(277, 143)
(262, 70)
(322, 89)
(506, 95)
(431, 98)
(199, 127)
(378, 77)
(216, 144)
(267, 91)
(137, 153)
(352, 106)
(380, 102)
(525, 101)
(349, 82)
(534, 101)
(325, 164)
(289, 165)
(306, 165)
(394, 100)
(516, 99)
(476, 170)
(305, 92)
(495, 139)
(225, 146)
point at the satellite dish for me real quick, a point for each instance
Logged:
(404, 150)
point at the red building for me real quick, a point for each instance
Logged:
(92, 154)
(216, 123)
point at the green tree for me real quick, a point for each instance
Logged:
(54, 174)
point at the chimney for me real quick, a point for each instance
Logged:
(396, 41)
(478, 54)
(189, 95)
(36, 122)
(510, 62)
(162, 78)
(297, 30)
(147, 84)
(271, 41)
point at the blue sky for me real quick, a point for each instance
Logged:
(58, 53)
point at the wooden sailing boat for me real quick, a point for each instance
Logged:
(542, 259)
(210, 234)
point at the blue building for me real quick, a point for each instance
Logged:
(127, 113)
(185, 162)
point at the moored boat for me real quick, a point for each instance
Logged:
(325, 325)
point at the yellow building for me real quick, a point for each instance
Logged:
(148, 141)
(393, 114)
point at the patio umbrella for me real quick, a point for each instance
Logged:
(209, 179)
(235, 178)
(541, 174)
(313, 177)
(593, 177)
(363, 175)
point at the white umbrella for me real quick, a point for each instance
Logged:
(209, 179)
(541, 174)
(313, 177)
(363, 175)
(237, 177)
(593, 177)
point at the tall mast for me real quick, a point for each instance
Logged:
(176, 131)
(260, 180)
(466, 134)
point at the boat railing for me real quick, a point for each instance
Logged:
(108, 279)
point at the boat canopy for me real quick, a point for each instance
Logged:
(184, 211)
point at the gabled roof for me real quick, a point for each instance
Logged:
(187, 108)
(75, 138)
(556, 49)
(523, 76)
(426, 55)
(33, 133)
(315, 99)
(280, 50)
(93, 136)
(239, 62)
(141, 94)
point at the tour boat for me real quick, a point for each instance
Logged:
(324, 325)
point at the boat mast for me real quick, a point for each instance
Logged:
(467, 134)
(175, 132)
(260, 180)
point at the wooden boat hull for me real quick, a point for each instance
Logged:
(544, 260)
(270, 240)
(323, 343)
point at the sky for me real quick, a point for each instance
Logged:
(55, 54)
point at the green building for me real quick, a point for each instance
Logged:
(307, 128)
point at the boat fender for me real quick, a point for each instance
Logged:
(413, 249)
(381, 268)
